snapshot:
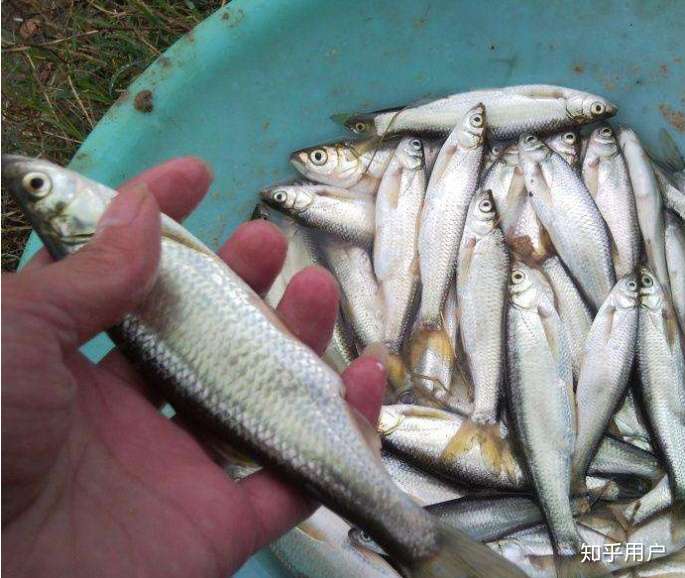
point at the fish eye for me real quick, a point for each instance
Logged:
(570, 137)
(531, 138)
(318, 157)
(496, 149)
(37, 185)
(415, 144)
(632, 286)
(597, 108)
(485, 205)
(280, 196)
(517, 276)
(364, 536)
(477, 120)
(606, 131)
(646, 281)
(359, 126)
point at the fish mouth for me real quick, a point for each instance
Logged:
(297, 162)
(610, 110)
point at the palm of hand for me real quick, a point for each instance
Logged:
(96, 482)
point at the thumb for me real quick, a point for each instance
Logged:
(93, 289)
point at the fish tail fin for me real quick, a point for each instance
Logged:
(462, 441)
(460, 556)
(575, 567)
(671, 157)
(436, 340)
(618, 511)
(495, 449)
(397, 373)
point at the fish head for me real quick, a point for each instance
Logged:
(359, 124)
(532, 149)
(523, 287)
(482, 217)
(472, 133)
(626, 294)
(584, 107)
(410, 153)
(360, 539)
(63, 206)
(510, 155)
(603, 141)
(288, 198)
(651, 293)
(566, 144)
(335, 164)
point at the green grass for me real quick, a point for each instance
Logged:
(63, 64)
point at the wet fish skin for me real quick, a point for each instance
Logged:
(333, 210)
(450, 189)
(606, 176)
(422, 436)
(305, 430)
(607, 362)
(570, 216)
(662, 377)
(675, 261)
(573, 311)
(653, 502)
(360, 295)
(395, 248)
(482, 281)
(420, 485)
(357, 166)
(514, 110)
(540, 375)
(567, 145)
(319, 546)
(648, 201)
(629, 421)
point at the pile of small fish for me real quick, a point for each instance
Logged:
(523, 262)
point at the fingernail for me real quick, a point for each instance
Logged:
(123, 209)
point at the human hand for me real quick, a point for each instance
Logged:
(95, 481)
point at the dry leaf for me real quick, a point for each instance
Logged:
(29, 28)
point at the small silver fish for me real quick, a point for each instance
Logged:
(648, 201)
(541, 376)
(395, 248)
(570, 216)
(673, 195)
(662, 377)
(449, 193)
(513, 110)
(607, 362)
(482, 281)
(348, 216)
(606, 176)
(653, 502)
(357, 166)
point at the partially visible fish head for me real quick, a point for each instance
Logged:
(482, 216)
(333, 164)
(360, 124)
(288, 198)
(360, 539)
(472, 133)
(651, 292)
(603, 141)
(410, 153)
(523, 288)
(64, 207)
(626, 293)
(566, 144)
(532, 149)
(510, 155)
(585, 107)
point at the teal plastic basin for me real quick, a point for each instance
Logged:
(260, 78)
